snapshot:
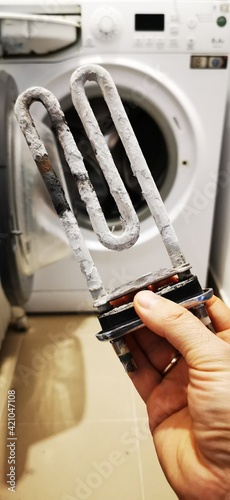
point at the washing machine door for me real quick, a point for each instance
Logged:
(16, 284)
(147, 132)
(31, 236)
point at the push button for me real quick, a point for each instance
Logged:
(173, 43)
(215, 62)
(221, 21)
(199, 62)
(190, 43)
(174, 30)
(149, 42)
(174, 18)
(224, 7)
(160, 43)
(138, 41)
(192, 23)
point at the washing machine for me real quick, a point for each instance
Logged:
(31, 235)
(169, 61)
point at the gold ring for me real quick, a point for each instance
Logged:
(172, 363)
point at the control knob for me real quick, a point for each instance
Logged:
(106, 24)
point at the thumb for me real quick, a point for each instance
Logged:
(180, 327)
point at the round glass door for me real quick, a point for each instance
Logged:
(152, 143)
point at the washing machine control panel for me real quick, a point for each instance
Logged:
(113, 26)
(150, 26)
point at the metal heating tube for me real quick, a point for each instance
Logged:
(117, 320)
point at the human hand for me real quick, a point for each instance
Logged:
(189, 408)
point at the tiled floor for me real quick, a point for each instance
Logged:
(81, 429)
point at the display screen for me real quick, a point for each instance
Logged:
(149, 22)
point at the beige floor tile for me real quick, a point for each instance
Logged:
(81, 429)
(64, 362)
(9, 354)
(155, 485)
(139, 405)
(108, 387)
(97, 461)
(49, 381)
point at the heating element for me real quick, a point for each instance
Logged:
(115, 308)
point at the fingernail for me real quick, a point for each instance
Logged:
(146, 299)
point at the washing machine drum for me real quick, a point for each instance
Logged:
(150, 138)
(31, 236)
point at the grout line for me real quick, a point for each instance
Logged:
(112, 420)
(91, 422)
(140, 467)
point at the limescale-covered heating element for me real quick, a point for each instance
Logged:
(116, 318)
